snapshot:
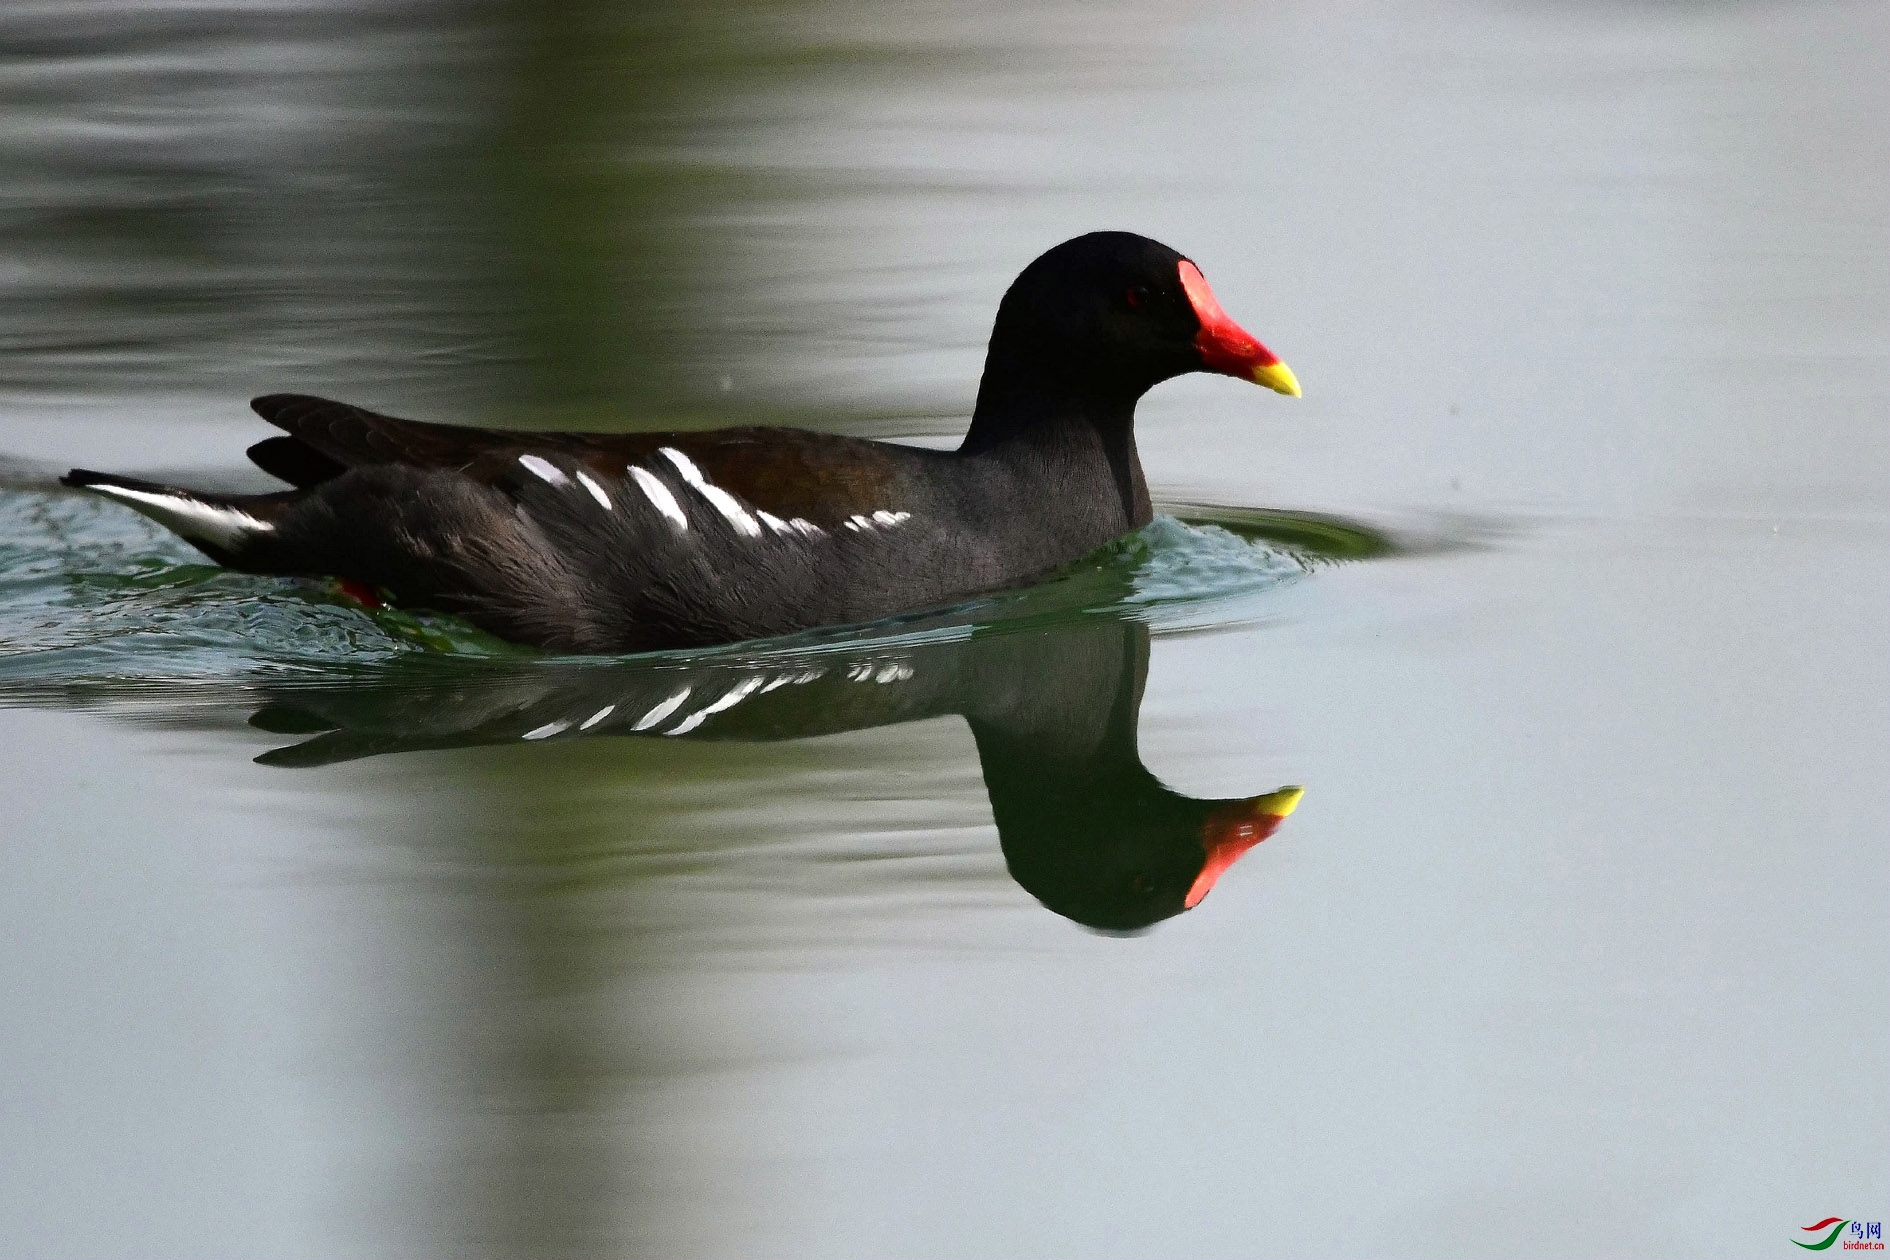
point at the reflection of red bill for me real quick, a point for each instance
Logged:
(1232, 829)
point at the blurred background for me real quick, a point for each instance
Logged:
(1576, 945)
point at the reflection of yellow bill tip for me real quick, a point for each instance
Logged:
(1280, 803)
(1277, 376)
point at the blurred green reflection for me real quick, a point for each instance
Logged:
(540, 214)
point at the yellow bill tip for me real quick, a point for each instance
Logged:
(1280, 803)
(1278, 377)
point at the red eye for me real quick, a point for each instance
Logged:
(1136, 297)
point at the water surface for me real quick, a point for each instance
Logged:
(1562, 592)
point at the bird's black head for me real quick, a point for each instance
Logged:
(1108, 315)
(1120, 852)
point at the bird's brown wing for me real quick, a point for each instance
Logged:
(791, 472)
(351, 436)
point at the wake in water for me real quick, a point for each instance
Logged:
(89, 592)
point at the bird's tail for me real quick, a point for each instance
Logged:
(221, 526)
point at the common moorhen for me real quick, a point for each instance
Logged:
(590, 542)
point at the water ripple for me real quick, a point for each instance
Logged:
(90, 593)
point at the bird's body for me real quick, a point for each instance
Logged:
(626, 542)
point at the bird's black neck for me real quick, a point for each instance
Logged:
(1056, 429)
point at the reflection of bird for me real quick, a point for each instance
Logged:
(1084, 826)
(612, 543)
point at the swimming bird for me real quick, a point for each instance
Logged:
(606, 543)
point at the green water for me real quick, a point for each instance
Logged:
(1563, 592)
(92, 596)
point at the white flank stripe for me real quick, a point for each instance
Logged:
(893, 673)
(725, 503)
(888, 519)
(544, 470)
(549, 729)
(661, 711)
(684, 465)
(597, 717)
(659, 496)
(597, 491)
(782, 681)
(807, 529)
(224, 527)
(774, 522)
(741, 692)
(729, 506)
